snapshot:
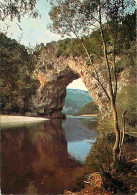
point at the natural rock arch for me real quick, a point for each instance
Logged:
(54, 74)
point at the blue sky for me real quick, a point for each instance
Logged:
(34, 31)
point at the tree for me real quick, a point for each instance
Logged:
(17, 80)
(17, 9)
(79, 17)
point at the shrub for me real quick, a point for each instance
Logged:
(89, 108)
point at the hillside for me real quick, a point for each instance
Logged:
(75, 99)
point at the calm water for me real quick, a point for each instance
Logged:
(46, 157)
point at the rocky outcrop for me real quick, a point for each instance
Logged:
(54, 74)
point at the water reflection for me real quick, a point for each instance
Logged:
(79, 137)
(42, 158)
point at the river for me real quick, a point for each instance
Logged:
(45, 157)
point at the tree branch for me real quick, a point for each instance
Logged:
(97, 79)
(88, 55)
(106, 57)
(115, 73)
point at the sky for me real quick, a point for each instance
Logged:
(32, 31)
(77, 84)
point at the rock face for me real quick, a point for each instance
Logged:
(54, 74)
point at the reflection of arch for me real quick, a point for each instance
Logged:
(37, 155)
(50, 97)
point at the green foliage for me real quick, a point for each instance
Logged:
(119, 176)
(126, 34)
(100, 157)
(17, 9)
(17, 83)
(128, 29)
(76, 17)
(73, 47)
(127, 100)
(93, 43)
(75, 99)
(89, 108)
(68, 47)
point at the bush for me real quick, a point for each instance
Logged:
(127, 100)
(89, 108)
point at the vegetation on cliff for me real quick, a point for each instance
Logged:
(126, 36)
(17, 81)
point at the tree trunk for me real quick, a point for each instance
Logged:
(116, 148)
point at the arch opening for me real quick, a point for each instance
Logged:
(77, 96)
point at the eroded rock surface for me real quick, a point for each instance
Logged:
(54, 74)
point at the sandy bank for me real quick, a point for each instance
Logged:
(17, 119)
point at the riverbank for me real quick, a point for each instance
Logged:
(19, 119)
(119, 179)
(83, 115)
(92, 115)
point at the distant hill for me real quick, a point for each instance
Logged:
(75, 99)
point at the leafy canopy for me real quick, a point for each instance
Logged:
(80, 16)
(17, 82)
(17, 9)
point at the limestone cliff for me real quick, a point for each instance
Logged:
(54, 74)
(35, 84)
